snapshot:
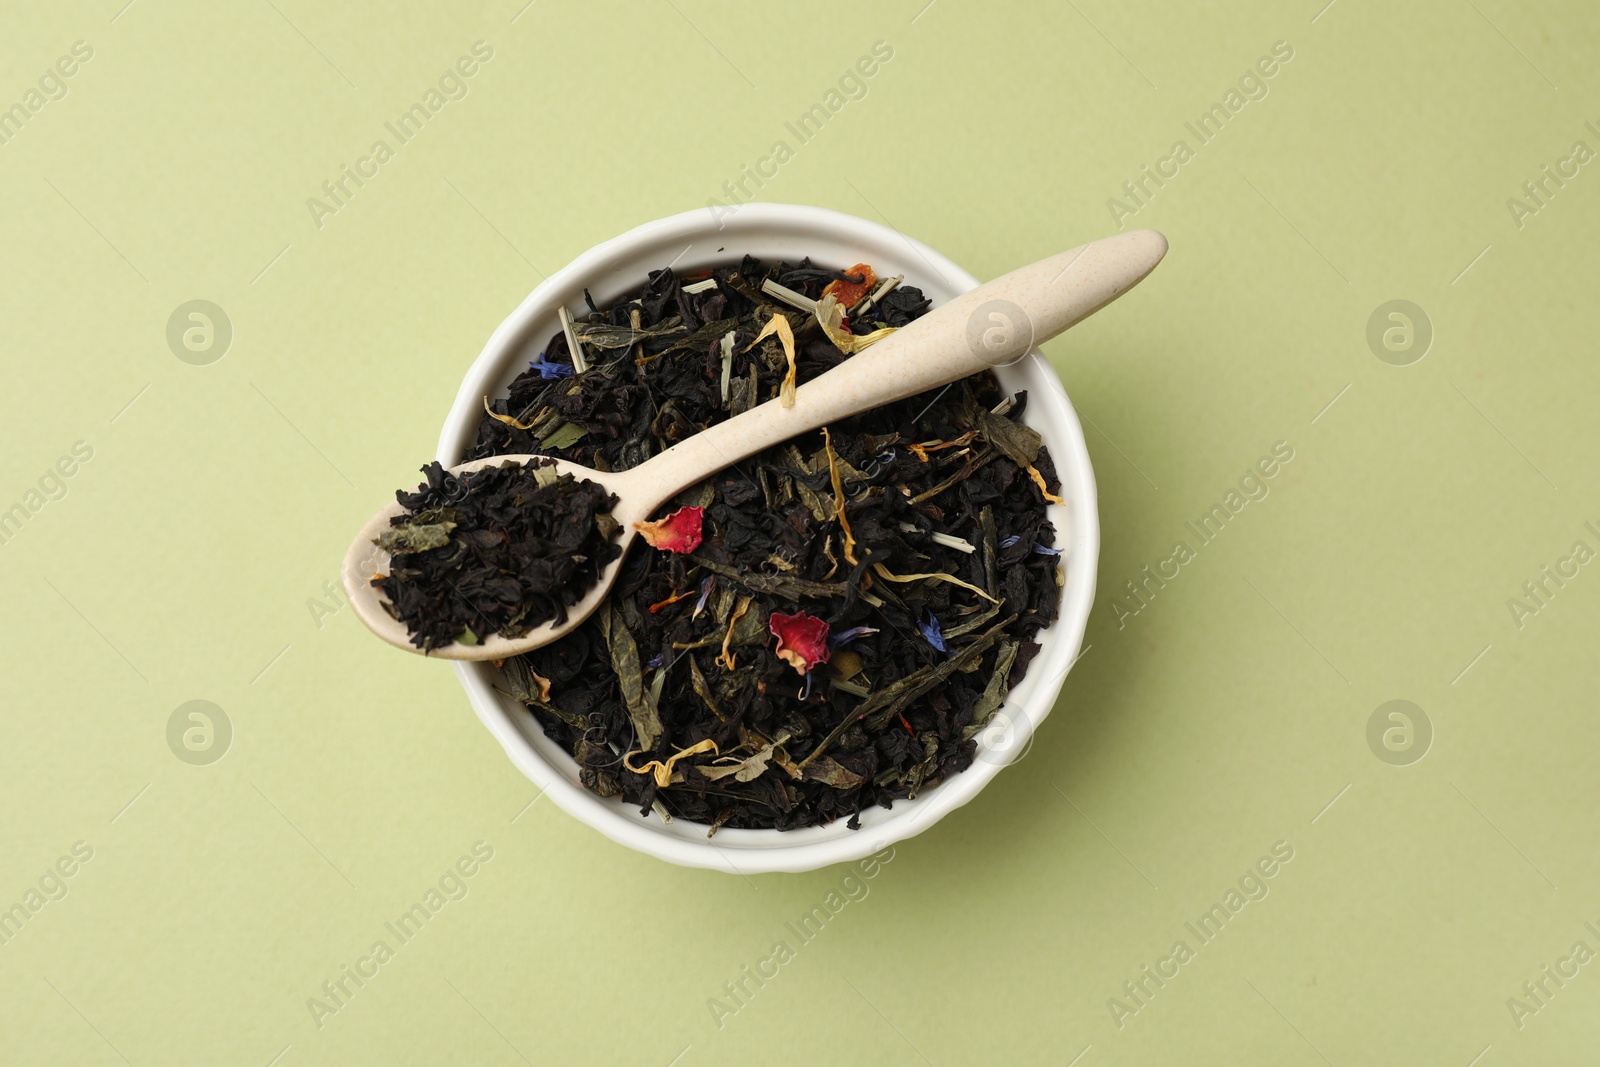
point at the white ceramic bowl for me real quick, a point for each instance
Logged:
(696, 240)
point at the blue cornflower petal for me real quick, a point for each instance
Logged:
(844, 637)
(930, 630)
(705, 592)
(551, 370)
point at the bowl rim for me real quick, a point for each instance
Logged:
(745, 851)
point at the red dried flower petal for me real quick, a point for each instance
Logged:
(802, 639)
(847, 293)
(678, 532)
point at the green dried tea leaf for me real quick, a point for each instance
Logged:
(821, 510)
(994, 694)
(605, 335)
(519, 680)
(975, 623)
(564, 436)
(703, 690)
(774, 585)
(625, 661)
(750, 629)
(415, 537)
(1019, 443)
(991, 550)
(924, 773)
(700, 341)
(829, 772)
(744, 771)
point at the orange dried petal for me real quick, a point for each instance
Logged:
(848, 293)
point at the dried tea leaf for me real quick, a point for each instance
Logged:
(991, 551)
(977, 622)
(415, 537)
(830, 772)
(1018, 442)
(994, 694)
(605, 335)
(526, 684)
(743, 771)
(774, 584)
(699, 342)
(855, 689)
(820, 509)
(697, 678)
(747, 630)
(625, 662)
(838, 499)
(564, 436)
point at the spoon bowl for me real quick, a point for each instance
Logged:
(365, 560)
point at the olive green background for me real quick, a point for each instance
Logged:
(187, 557)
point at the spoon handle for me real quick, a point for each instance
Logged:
(990, 326)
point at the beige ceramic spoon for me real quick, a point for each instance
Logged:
(989, 326)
